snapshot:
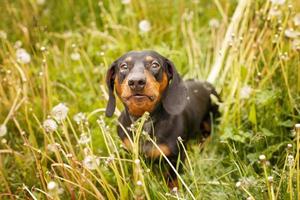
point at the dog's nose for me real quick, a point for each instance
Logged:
(137, 83)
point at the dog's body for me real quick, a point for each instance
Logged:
(146, 81)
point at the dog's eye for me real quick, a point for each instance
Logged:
(124, 66)
(155, 65)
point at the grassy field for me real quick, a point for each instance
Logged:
(56, 143)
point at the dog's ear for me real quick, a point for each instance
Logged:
(110, 79)
(175, 96)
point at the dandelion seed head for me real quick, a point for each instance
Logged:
(137, 161)
(60, 112)
(53, 147)
(275, 12)
(125, 2)
(3, 141)
(40, 2)
(51, 186)
(75, 56)
(50, 125)
(84, 139)
(238, 184)
(91, 162)
(290, 160)
(139, 183)
(245, 92)
(3, 35)
(23, 56)
(289, 146)
(144, 26)
(278, 2)
(296, 19)
(18, 44)
(214, 23)
(3, 130)
(262, 157)
(290, 33)
(270, 179)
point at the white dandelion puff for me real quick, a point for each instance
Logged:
(53, 147)
(296, 19)
(18, 44)
(23, 56)
(40, 2)
(84, 139)
(214, 23)
(75, 56)
(50, 125)
(290, 33)
(139, 183)
(51, 186)
(296, 44)
(245, 92)
(290, 160)
(275, 12)
(79, 117)
(125, 2)
(91, 162)
(60, 112)
(278, 2)
(262, 157)
(144, 26)
(3, 35)
(3, 130)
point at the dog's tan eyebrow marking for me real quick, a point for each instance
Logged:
(149, 58)
(128, 59)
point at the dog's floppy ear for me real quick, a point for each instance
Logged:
(110, 79)
(175, 96)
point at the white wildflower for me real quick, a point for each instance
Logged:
(270, 179)
(60, 112)
(139, 183)
(245, 92)
(290, 33)
(79, 117)
(3, 130)
(3, 35)
(238, 184)
(50, 125)
(262, 157)
(126, 1)
(137, 161)
(290, 160)
(214, 23)
(145, 26)
(18, 44)
(296, 44)
(22, 56)
(51, 186)
(275, 12)
(53, 147)
(84, 139)
(91, 162)
(75, 56)
(296, 19)
(278, 2)
(40, 2)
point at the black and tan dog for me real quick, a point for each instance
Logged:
(146, 81)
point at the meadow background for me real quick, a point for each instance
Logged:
(55, 142)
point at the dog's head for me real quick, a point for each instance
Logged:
(143, 79)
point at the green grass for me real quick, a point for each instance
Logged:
(248, 56)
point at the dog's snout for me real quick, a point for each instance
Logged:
(137, 82)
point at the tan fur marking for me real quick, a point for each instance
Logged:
(128, 59)
(152, 88)
(149, 58)
(127, 143)
(155, 153)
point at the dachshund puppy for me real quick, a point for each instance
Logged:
(145, 81)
